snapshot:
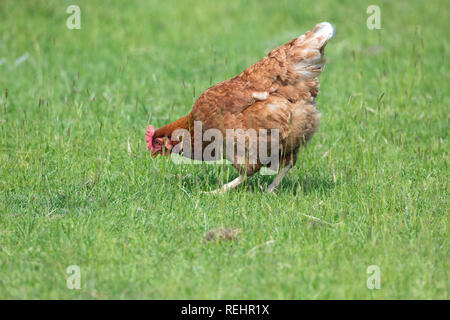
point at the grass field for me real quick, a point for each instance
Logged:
(79, 187)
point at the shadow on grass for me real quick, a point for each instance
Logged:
(294, 183)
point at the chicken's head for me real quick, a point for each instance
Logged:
(160, 145)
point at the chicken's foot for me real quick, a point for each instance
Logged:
(228, 186)
(277, 180)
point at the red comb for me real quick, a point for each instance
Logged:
(149, 136)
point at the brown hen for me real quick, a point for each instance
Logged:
(274, 97)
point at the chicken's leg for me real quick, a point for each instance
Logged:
(277, 180)
(228, 186)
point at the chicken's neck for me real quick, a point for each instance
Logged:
(185, 122)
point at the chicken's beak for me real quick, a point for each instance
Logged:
(154, 154)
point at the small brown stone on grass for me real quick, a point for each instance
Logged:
(221, 234)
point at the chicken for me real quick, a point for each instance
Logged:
(273, 99)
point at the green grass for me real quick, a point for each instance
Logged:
(71, 193)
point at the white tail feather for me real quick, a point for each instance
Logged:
(309, 55)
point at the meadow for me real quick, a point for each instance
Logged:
(79, 187)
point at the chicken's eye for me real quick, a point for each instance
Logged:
(159, 142)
